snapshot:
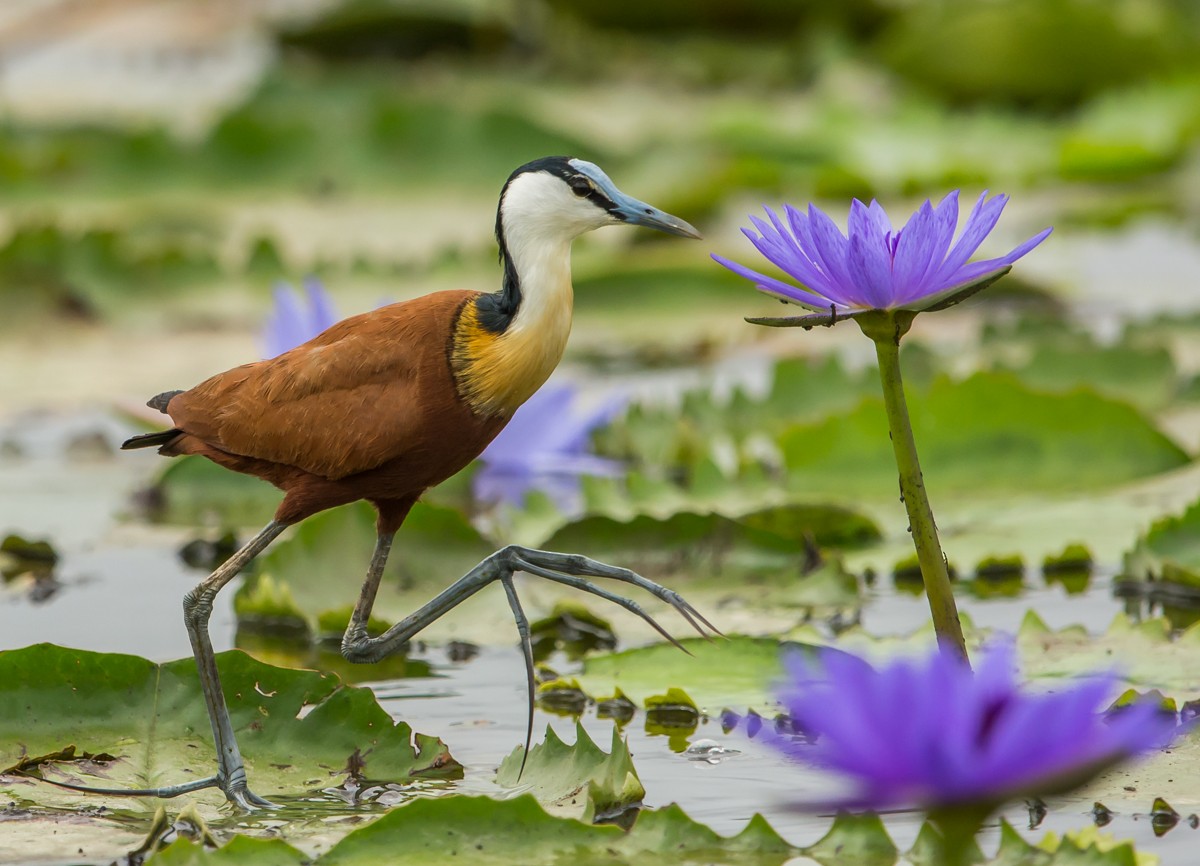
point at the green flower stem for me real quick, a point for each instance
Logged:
(885, 328)
(958, 826)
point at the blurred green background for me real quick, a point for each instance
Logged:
(164, 162)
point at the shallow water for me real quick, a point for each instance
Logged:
(120, 591)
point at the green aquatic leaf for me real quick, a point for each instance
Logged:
(580, 780)
(1169, 551)
(987, 434)
(323, 561)
(238, 851)
(1143, 376)
(1145, 655)
(855, 839)
(697, 544)
(482, 831)
(1092, 846)
(299, 730)
(734, 673)
(192, 491)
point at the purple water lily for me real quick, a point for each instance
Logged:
(545, 447)
(876, 267)
(929, 733)
(296, 319)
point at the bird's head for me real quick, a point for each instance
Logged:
(562, 197)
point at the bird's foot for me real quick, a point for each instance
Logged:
(571, 569)
(234, 786)
(247, 800)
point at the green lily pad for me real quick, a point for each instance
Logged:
(481, 831)
(986, 434)
(802, 390)
(322, 563)
(145, 725)
(691, 543)
(1144, 654)
(579, 780)
(1143, 376)
(193, 490)
(737, 673)
(1169, 551)
(238, 851)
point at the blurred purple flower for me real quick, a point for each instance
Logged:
(545, 447)
(295, 319)
(876, 267)
(929, 733)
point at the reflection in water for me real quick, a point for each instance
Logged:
(1142, 600)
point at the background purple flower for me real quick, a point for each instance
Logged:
(546, 447)
(927, 732)
(297, 318)
(874, 266)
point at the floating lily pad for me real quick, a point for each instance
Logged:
(691, 543)
(486, 832)
(482, 832)
(1143, 376)
(572, 628)
(1169, 552)
(1144, 654)
(737, 673)
(579, 780)
(150, 718)
(322, 563)
(984, 435)
(192, 490)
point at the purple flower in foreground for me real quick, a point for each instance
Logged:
(295, 319)
(928, 732)
(877, 267)
(545, 447)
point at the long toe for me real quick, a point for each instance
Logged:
(247, 800)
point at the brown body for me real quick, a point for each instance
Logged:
(369, 409)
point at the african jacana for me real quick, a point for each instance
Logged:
(383, 405)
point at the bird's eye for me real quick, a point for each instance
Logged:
(581, 186)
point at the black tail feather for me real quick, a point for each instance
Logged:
(160, 401)
(150, 440)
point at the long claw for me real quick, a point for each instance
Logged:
(580, 583)
(582, 565)
(527, 650)
(247, 800)
(691, 615)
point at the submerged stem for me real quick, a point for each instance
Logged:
(885, 329)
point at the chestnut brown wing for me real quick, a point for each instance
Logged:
(349, 400)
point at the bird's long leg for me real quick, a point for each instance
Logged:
(197, 609)
(564, 568)
(356, 631)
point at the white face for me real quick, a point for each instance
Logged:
(541, 205)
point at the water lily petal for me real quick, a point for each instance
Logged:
(930, 733)
(775, 287)
(870, 268)
(831, 249)
(873, 267)
(979, 224)
(914, 251)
